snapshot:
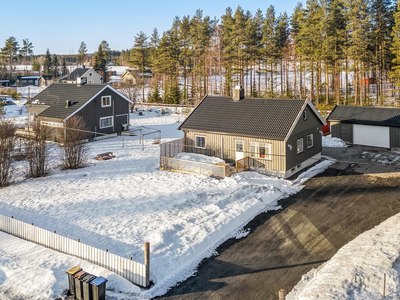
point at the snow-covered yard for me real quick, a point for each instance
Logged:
(121, 203)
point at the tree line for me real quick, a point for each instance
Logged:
(332, 51)
(328, 50)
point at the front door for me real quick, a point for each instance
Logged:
(239, 149)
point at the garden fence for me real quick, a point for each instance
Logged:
(133, 271)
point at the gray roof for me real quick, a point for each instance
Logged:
(57, 94)
(265, 118)
(381, 116)
(78, 72)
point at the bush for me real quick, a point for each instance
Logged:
(7, 143)
(74, 144)
(37, 151)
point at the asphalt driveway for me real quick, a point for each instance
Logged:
(355, 194)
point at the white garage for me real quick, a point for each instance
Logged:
(368, 135)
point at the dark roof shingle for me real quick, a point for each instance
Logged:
(381, 116)
(266, 118)
(57, 94)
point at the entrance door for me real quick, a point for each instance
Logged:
(239, 149)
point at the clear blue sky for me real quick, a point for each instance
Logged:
(61, 25)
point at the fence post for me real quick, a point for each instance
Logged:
(384, 285)
(282, 294)
(147, 262)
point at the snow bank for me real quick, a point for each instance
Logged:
(357, 270)
(333, 142)
(199, 158)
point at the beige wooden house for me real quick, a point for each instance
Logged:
(278, 137)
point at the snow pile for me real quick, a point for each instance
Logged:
(333, 142)
(18, 112)
(385, 158)
(319, 168)
(199, 158)
(358, 268)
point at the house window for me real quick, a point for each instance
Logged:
(105, 101)
(106, 122)
(310, 140)
(200, 142)
(239, 146)
(305, 115)
(299, 145)
(260, 150)
(90, 74)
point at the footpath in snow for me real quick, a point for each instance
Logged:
(121, 203)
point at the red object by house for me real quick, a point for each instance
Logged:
(326, 129)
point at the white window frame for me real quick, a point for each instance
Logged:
(256, 153)
(312, 140)
(195, 141)
(300, 149)
(107, 105)
(112, 122)
(240, 142)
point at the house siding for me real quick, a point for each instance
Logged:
(343, 131)
(93, 111)
(394, 137)
(213, 148)
(312, 125)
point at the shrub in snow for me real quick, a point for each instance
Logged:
(7, 143)
(74, 147)
(37, 151)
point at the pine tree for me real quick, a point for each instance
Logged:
(64, 69)
(107, 50)
(282, 36)
(270, 47)
(358, 28)
(395, 73)
(10, 51)
(139, 56)
(56, 64)
(26, 49)
(381, 14)
(48, 63)
(296, 22)
(81, 57)
(228, 48)
(100, 60)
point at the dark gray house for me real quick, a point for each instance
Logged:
(103, 108)
(368, 126)
(22, 81)
(280, 136)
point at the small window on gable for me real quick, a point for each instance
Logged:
(299, 145)
(200, 142)
(310, 140)
(90, 74)
(305, 115)
(105, 101)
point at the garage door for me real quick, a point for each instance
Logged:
(376, 136)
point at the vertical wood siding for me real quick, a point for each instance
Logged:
(131, 270)
(394, 137)
(213, 148)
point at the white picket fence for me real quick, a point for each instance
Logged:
(133, 271)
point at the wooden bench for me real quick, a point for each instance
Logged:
(105, 156)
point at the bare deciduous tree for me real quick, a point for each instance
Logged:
(7, 142)
(37, 151)
(74, 146)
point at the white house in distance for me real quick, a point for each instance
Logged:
(82, 76)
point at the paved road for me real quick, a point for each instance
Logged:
(335, 207)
